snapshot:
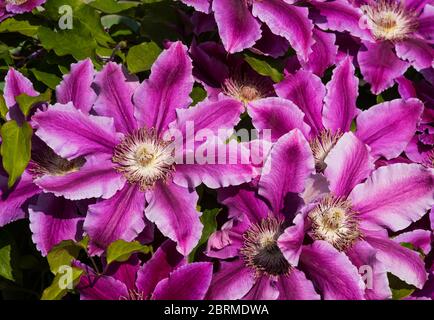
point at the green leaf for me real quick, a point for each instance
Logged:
(209, 222)
(399, 288)
(113, 6)
(77, 42)
(198, 94)
(47, 78)
(264, 68)
(121, 250)
(380, 99)
(353, 126)
(3, 108)
(62, 255)
(84, 16)
(21, 26)
(55, 291)
(15, 149)
(27, 102)
(141, 57)
(6, 265)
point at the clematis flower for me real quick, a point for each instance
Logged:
(354, 215)
(239, 28)
(166, 276)
(324, 112)
(229, 75)
(395, 34)
(251, 264)
(52, 219)
(128, 158)
(11, 7)
(421, 148)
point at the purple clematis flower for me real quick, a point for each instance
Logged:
(221, 73)
(421, 148)
(324, 113)
(11, 7)
(240, 29)
(52, 219)
(128, 159)
(395, 34)
(353, 215)
(166, 276)
(253, 266)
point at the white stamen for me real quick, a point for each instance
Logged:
(144, 159)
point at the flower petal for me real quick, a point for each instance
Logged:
(120, 217)
(218, 164)
(94, 287)
(348, 163)
(168, 88)
(162, 263)
(11, 201)
(208, 117)
(115, 91)
(420, 239)
(418, 52)
(97, 178)
(264, 289)
(295, 286)
(389, 126)
(199, 5)
(307, 91)
(364, 257)
(380, 66)
(291, 241)
(340, 101)
(331, 272)
(71, 133)
(189, 282)
(53, 220)
(289, 164)
(16, 84)
(231, 282)
(394, 196)
(76, 86)
(243, 200)
(173, 209)
(402, 262)
(278, 115)
(288, 21)
(324, 52)
(340, 15)
(238, 29)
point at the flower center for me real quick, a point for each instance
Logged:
(47, 162)
(389, 20)
(246, 89)
(134, 295)
(334, 221)
(260, 250)
(321, 147)
(144, 159)
(16, 2)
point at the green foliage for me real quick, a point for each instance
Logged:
(113, 6)
(265, 67)
(27, 102)
(15, 149)
(56, 290)
(198, 94)
(209, 222)
(141, 57)
(6, 261)
(21, 26)
(121, 250)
